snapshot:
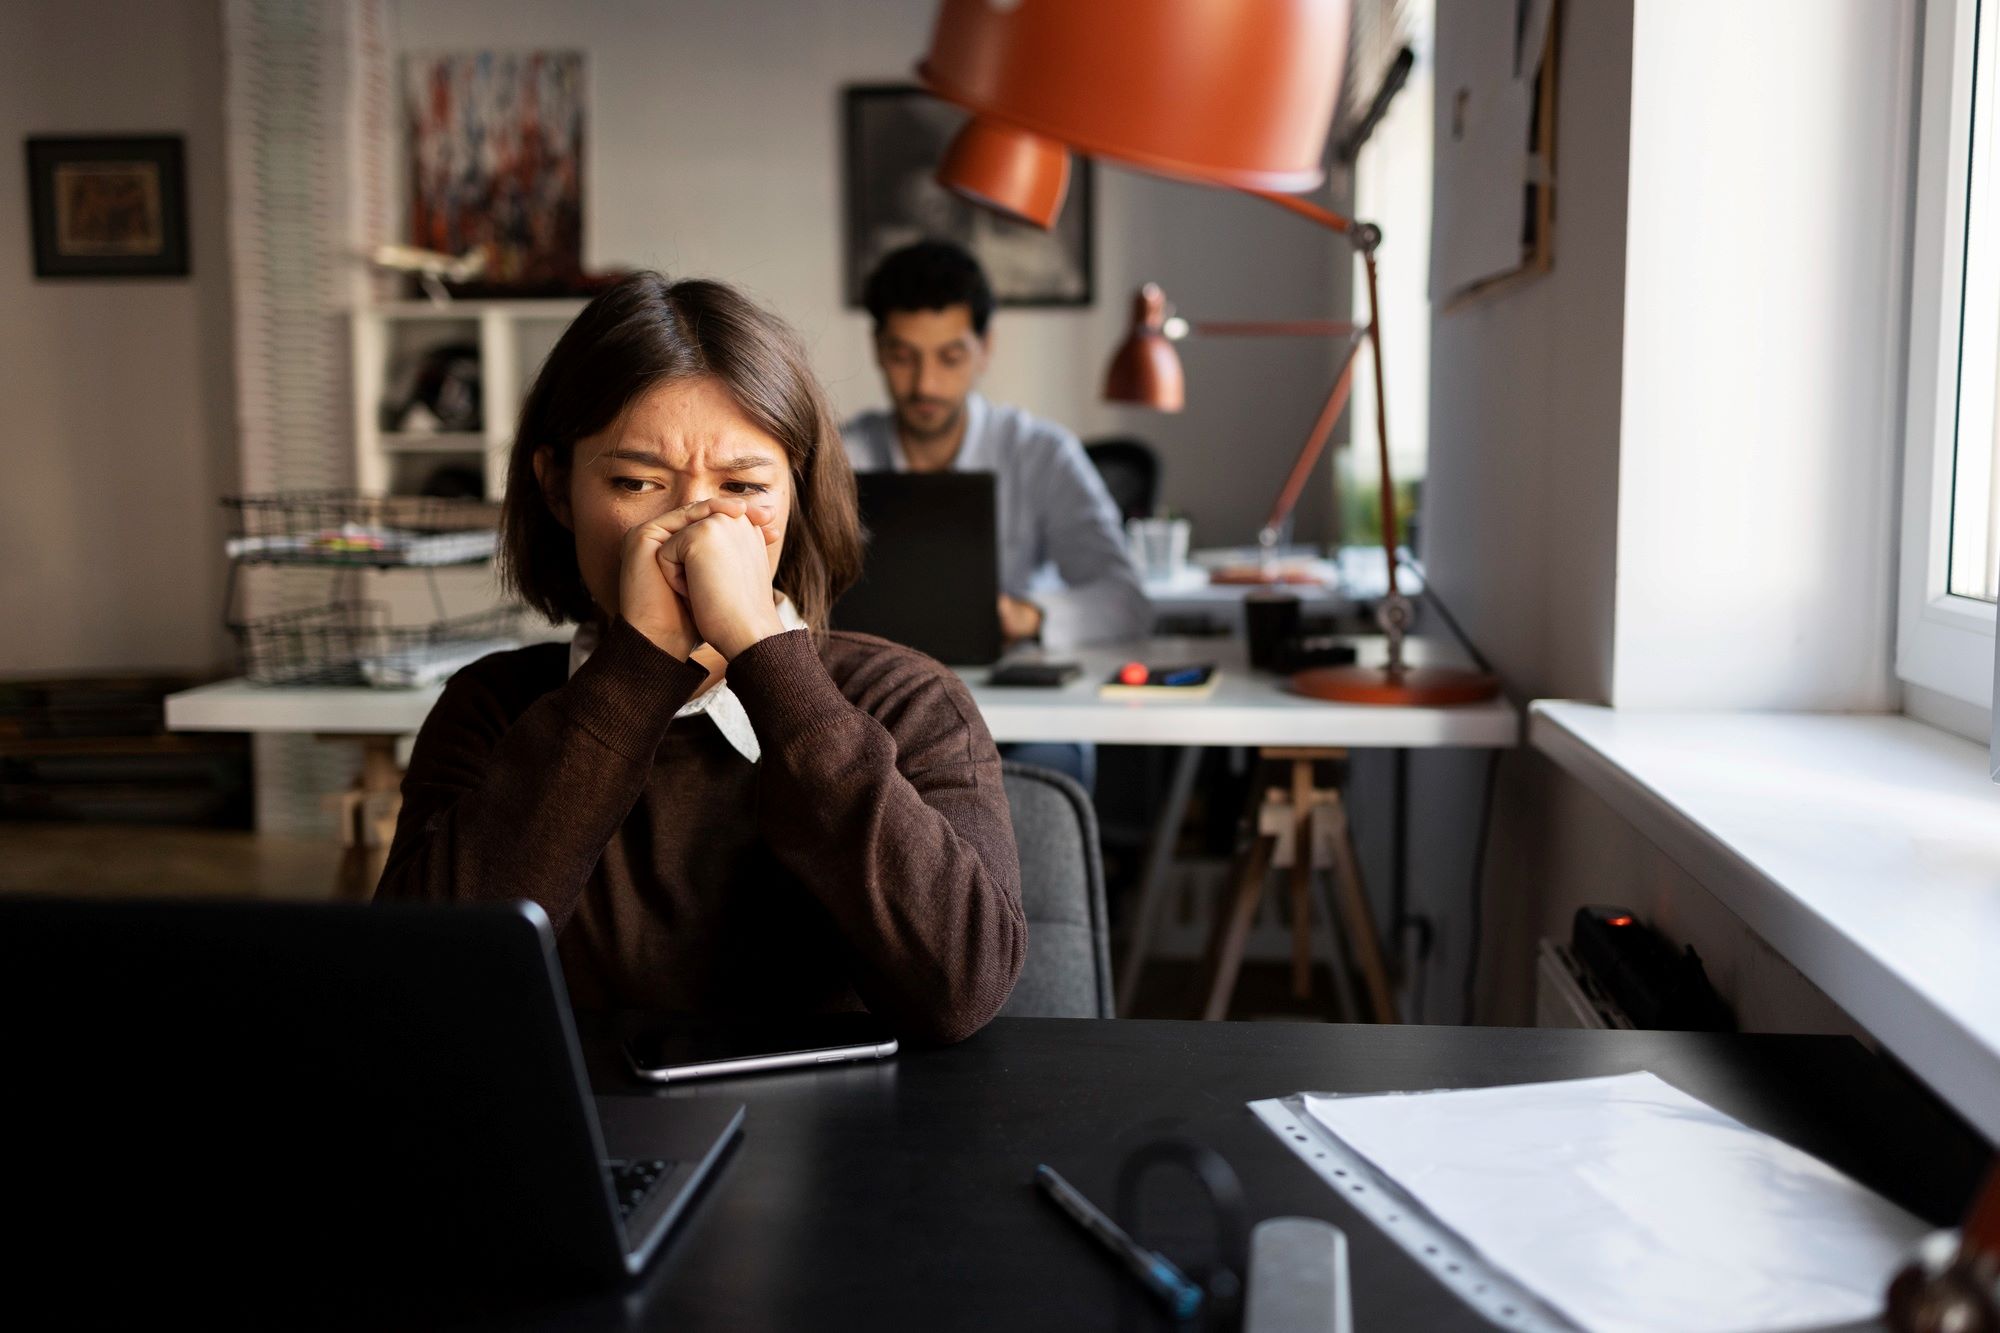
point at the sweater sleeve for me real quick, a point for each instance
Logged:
(494, 812)
(903, 835)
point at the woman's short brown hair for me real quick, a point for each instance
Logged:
(636, 336)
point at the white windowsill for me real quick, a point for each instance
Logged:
(1864, 848)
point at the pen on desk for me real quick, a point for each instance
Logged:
(1153, 1269)
(1182, 676)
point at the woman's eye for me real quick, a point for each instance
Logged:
(633, 485)
(744, 487)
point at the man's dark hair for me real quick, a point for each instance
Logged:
(929, 275)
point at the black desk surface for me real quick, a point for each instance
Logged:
(897, 1195)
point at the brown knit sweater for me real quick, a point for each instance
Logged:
(866, 860)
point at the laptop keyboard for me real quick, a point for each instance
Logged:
(633, 1183)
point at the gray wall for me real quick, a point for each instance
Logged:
(1519, 522)
(714, 144)
(119, 425)
(713, 148)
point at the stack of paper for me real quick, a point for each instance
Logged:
(1626, 1204)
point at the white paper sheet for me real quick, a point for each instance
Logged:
(1627, 1204)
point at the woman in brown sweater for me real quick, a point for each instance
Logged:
(723, 807)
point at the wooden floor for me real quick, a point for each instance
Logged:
(115, 861)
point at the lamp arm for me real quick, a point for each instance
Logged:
(1309, 452)
(1273, 328)
(1391, 536)
(1362, 235)
(1365, 237)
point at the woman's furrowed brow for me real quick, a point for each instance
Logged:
(654, 458)
(630, 455)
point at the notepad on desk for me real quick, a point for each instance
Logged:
(1605, 1204)
(1136, 680)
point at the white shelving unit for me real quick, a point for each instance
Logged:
(512, 337)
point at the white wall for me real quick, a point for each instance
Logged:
(1520, 514)
(118, 432)
(1594, 430)
(1764, 293)
(713, 149)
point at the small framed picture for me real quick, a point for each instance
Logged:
(895, 135)
(108, 208)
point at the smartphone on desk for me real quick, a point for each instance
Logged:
(679, 1050)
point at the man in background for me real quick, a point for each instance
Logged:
(1065, 575)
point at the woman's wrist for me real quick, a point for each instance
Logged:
(734, 640)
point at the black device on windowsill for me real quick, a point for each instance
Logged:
(1656, 987)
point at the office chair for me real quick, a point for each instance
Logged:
(1068, 972)
(1131, 471)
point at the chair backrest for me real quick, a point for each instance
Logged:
(1068, 972)
(1131, 472)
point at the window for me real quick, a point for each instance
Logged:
(1392, 189)
(1951, 517)
(1973, 563)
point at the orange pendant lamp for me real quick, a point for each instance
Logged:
(1226, 92)
(1236, 93)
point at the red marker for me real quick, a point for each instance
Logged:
(1134, 673)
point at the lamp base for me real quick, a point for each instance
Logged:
(1412, 687)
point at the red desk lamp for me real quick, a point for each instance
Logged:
(1235, 93)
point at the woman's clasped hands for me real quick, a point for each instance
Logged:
(702, 574)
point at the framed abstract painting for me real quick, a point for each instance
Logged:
(494, 163)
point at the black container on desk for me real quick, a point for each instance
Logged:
(1272, 619)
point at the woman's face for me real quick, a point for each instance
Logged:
(674, 445)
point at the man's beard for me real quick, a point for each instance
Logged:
(918, 431)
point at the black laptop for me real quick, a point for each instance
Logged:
(931, 575)
(330, 1106)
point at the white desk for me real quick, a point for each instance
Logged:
(1246, 707)
(239, 705)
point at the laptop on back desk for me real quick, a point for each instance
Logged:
(931, 576)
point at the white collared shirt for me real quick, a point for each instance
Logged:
(718, 703)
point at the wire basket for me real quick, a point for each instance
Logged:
(350, 528)
(353, 643)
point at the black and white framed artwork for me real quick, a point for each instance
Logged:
(895, 135)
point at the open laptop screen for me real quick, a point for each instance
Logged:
(931, 575)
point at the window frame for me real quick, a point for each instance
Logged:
(1944, 642)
